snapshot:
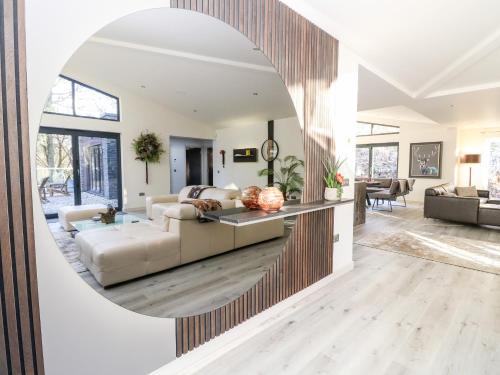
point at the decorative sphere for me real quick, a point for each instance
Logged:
(271, 199)
(250, 197)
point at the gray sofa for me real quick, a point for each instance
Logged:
(441, 202)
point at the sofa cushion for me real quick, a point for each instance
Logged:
(157, 211)
(450, 188)
(127, 245)
(181, 212)
(220, 194)
(394, 188)
(384, 182)
(489, 214)
(466, 191)
(210, 193)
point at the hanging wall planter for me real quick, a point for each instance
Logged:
(148, 147)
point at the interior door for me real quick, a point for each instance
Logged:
(210, 164)
(193, 166)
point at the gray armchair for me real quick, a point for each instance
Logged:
(388, 195)
(396, 189)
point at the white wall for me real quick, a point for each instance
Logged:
(82, 332)
(177, 151)
(137, 114)
(287, 133)
(421, 133)
(345, 101)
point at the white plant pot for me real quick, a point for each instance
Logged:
(331, 194)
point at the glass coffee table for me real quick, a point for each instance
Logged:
(120, 219)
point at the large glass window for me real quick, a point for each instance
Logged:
(77, 167)
(366, 128)
(494, 168)
(72, 98)
(377, 161)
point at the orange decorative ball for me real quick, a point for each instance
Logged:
(271, 199)
(250, 197)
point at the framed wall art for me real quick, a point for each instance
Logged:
(425, 159)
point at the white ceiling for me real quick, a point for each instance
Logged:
(191, 63)
(434, 54)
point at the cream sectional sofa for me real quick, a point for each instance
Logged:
(174, 237)
(156, 205)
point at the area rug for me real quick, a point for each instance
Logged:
(474, 254)
(68, 247)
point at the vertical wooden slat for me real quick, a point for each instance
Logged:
(20, 338)
(178, 337)
(306, 59)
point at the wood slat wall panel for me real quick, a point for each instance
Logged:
(306, 59)
(20, 338)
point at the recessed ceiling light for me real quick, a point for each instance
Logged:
(143, 86)
(195, 110)
(452, 105)
(255, 94)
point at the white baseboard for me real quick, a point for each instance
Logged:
(193, 362)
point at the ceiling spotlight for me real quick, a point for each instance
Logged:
(255, 94)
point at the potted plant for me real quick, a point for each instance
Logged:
(333, 178)
(148, 148)
(287, 176)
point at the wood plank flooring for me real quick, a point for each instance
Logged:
(197, 287)
(393, 314)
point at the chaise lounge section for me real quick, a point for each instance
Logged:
(174, 237)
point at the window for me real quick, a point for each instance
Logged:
(366, 128)
(377, 161)
(72, 98)
(494, 168)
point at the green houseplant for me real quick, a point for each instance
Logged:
(333, 178)
(148, 148)
(287, 176)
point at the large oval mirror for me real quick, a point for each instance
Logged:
(151, 134)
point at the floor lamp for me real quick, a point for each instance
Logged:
(471, 159)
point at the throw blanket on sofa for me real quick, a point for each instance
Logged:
(202, 206)
(196, 191)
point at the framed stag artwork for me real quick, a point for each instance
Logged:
(425, 159)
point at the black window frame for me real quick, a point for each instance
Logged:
(73, 82)
(75, 134)
(375, 134)
(370, 157)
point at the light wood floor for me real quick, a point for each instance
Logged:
(197, 287)
(393, 314)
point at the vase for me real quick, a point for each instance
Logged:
(250, 197)
(271, 199)
(332, 194)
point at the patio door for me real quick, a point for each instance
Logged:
(76, 167)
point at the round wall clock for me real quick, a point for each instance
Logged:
(270, 150)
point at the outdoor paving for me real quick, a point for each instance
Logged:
(53, 204)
